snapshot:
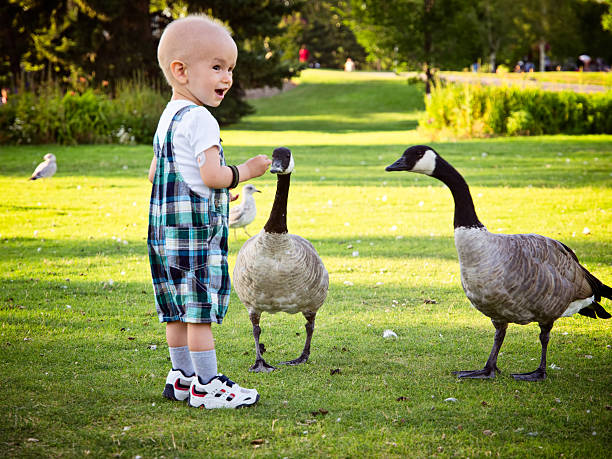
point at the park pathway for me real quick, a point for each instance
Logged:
(525, 83)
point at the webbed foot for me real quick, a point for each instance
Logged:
(301, 359)
(260, 366)
(485, 373)
(537, 375)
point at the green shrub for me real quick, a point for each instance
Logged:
(52, 116)
(479, 111)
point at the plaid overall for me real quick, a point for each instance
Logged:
(187, 242)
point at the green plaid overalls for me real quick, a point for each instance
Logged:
(187, 242)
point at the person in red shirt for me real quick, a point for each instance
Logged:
(304, 54)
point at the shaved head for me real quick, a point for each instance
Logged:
(188, 39)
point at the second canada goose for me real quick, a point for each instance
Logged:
(280, 272)
(511, 278)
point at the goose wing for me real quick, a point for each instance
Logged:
(522, 278)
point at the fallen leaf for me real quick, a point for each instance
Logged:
(257, 441)
(334, 371)
(401, 399)
(487, 432)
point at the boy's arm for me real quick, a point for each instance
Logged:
(216, 176)
(152, 169)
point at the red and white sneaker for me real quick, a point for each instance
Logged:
(177, 385)
(221, 392)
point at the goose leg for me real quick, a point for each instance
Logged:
(540, 373)
(310, 319)
(235, 235)
(491, 366)
(244, 228)
(260, 364)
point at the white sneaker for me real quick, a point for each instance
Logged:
(221, 392)
(177, 385)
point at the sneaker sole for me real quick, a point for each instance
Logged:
(243, 405)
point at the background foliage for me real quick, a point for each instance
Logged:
(478, 111)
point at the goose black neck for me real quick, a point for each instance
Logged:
(277, 223)
(465, 213)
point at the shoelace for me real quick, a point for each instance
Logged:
(226, 380)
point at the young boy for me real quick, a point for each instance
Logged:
(188, 217)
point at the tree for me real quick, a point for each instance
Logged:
(320, 26)
(109, 40)
(417, 33)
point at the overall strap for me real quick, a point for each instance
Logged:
(178, 116)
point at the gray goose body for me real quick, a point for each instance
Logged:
(517, 278)
(280, 272)
(520, 278)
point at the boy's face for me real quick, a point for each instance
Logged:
(209, 70)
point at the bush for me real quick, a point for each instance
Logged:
(480, 111)
(52, 116)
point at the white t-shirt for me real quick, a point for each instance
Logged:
(197, 131)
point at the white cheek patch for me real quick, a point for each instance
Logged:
(426, 164)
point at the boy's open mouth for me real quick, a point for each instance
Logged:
(219, 91)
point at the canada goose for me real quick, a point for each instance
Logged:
(277, 271)
(518, 278)
(244, 214)
(46, 169)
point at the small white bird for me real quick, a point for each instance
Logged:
(46, 169)
(244, 214)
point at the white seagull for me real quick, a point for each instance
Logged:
(244, 214)
(46, 169)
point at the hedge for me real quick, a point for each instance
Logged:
(482, 111)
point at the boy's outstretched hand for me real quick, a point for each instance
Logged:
(233, 197)
(258, 165)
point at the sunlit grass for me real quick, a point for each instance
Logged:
(77, 321)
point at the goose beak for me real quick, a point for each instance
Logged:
(276, 167)
(399, 165)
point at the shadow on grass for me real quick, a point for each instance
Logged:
(25, 250)
(544, 161)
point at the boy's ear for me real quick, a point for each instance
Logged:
(178, 70)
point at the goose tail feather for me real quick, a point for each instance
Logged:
(606, 291)
(600, 311)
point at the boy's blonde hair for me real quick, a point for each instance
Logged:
(182, 36)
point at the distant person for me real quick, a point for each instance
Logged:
(584, 60)
(349, 65)
(189, 207)
(304, 54)
(3, 96)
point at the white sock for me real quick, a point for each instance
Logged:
(181, 360)
(205, 365)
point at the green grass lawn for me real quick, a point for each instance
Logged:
(83, 359)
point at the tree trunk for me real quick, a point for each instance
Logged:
(542, 46)
(427, 43)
